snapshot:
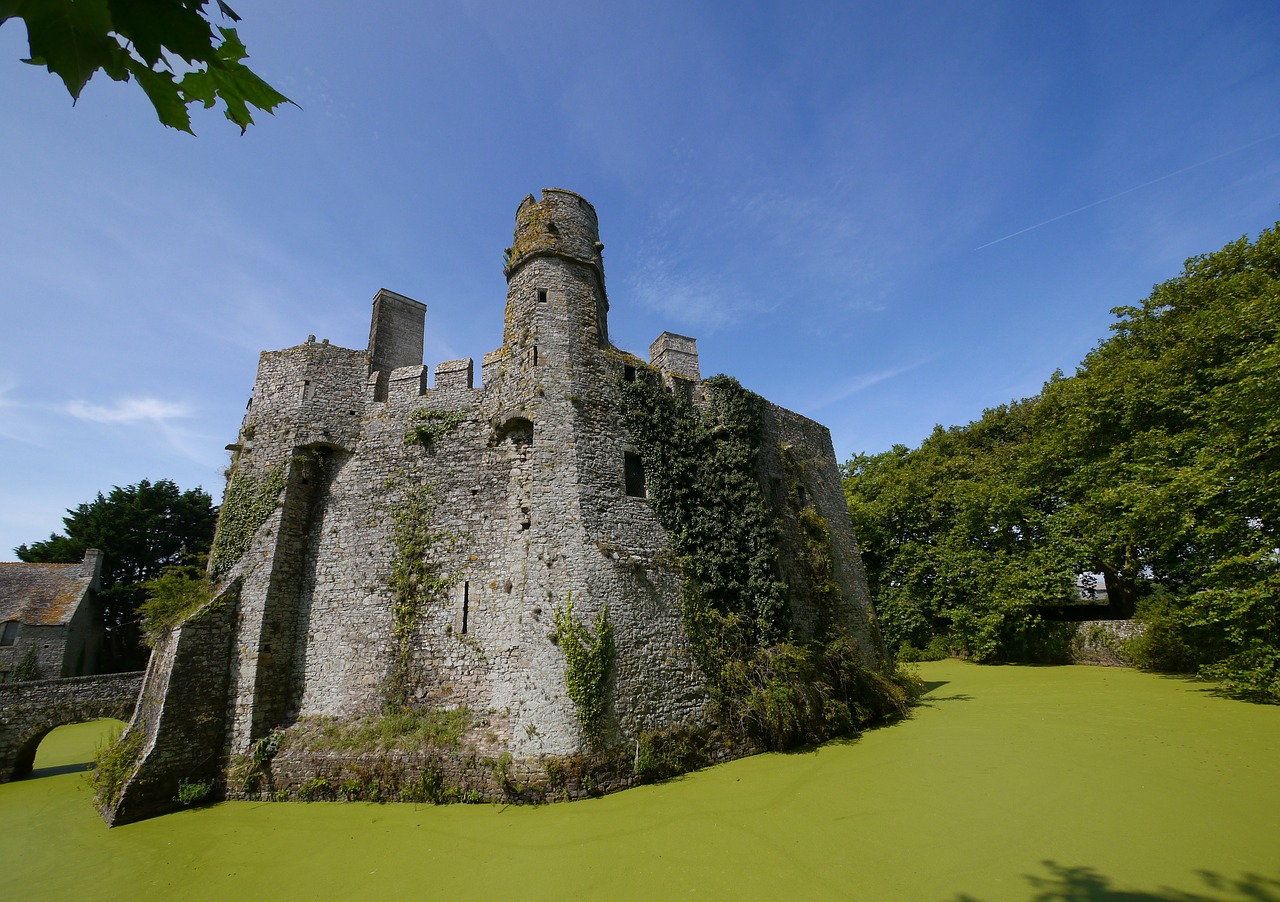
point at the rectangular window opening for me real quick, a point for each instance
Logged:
(466, 605)
(542, 295)
(628, 373)
(10, 633)
(633, 474)
(534, 355)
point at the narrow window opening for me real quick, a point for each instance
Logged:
(466, 605)
(628, 373)
(304, 390)
(542, 295)
(633, 474)
(10, 633)
(534, 355)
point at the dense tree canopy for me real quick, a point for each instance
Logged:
(141, 529)
(1157, 465)
(136, 39)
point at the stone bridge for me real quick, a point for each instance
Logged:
(28, 711)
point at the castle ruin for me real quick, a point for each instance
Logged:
(386, 536)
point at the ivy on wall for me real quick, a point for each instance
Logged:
(700, 471)
(588, 658)
(246, 505)
(416, 581)
(702, 476)
(426, 427)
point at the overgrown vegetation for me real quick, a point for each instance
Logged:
(404, 730)
(701, 474)
(247, 503)
(426, 427)
(193, 792)
(27, 668)
(588, 658)
(417, 580)
(662, 754)
(113, 765)
(1154, 465)
(172, 597)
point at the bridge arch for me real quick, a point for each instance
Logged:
(29, 711)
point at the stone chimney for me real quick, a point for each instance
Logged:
(91, 567)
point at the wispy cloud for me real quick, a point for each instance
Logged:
(689, 300)
(1118, 194)
(128, 410)
(861, 383)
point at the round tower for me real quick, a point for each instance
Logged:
(556, 251)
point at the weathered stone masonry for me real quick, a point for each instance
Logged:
(525, 478)
(28, 711)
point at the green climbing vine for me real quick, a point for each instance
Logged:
(700, 470)
(246, 505)
(27, 668)
(702, 475)
(426, 427)
(416, 581)
(588, 658)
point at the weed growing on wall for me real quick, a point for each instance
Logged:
(702, 477)
(405, 730)
(426, 427)
(246, 505)
(416, 581)
(113, 765)
(588, 658)
(192, 792)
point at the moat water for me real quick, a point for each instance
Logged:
(1008, 783)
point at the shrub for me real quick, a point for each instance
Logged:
(193, 792)
(172, 597)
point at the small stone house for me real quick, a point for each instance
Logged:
(51, 609)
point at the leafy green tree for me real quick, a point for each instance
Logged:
(140, 529)
(957, 541)
(1156, 464)
(140, 39)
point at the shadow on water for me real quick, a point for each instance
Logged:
(77, 768)
(930, 685)
(1084, 884)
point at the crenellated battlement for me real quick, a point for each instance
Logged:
(397, 542)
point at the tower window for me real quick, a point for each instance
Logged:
(542, 295)
(533, 355)
(466, 605)
(633, 474)
(628, 373)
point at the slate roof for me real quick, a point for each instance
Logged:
(41, 594)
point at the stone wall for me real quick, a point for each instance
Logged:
(1102, 642)
(512, 496)
(181, 714)
(28, 711)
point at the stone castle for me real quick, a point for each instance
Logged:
(358, 485)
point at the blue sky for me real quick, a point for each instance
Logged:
(883, 216)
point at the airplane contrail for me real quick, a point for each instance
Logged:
(1127, 191)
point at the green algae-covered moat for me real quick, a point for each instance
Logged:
(1007, 783)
